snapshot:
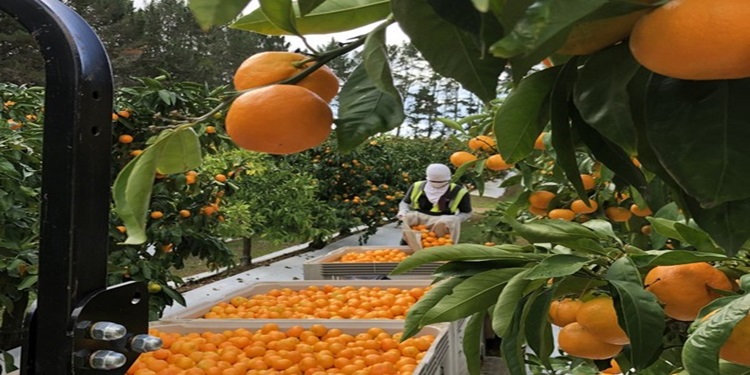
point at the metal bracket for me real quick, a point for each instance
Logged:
(76, 200)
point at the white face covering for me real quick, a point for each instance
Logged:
(438, 181)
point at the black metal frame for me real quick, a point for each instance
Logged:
(75, 200)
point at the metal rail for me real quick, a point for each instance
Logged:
(78, 326)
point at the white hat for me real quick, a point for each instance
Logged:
(438, 172)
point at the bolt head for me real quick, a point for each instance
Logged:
(107, 360)
(145, 343)
(107, 331)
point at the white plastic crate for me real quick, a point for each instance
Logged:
(327, 267)
(197, 310)
(435, 362)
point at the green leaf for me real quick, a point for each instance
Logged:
(694, 119)
(464, 269)
(481, 5)
(603, 228)
(375, 57)
(307, 6)
(601, 94)
(728, 223)
(173, 294)
(473, 336)
(507, 301)
(132, 193)
(210, 13)
(280, 13)
(562, 137)
(511, 347)
(465, 252)
(700, 355)
(165, 96)
(728, 368)
(549, 230)
(642, 318)
(673, 257)
(451, 52)
(413, 323)
(27, 282)
(537, 328)
(9, 362)
(364, 110)
(624, 269)
(609, 153)
(519, 119)
(698, 238)
(665, 227)
(543, 20)
(586, 245)
(557, 265)
(329, 17)
(180, 151)
(476, 293)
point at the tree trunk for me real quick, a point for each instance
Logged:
(11, 328)
(247, 247)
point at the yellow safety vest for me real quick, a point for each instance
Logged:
(418, 190)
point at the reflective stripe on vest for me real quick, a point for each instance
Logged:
(418, 190)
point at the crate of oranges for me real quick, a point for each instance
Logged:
(340, 299)
(300, 347)
(364, 261)
(424, 236)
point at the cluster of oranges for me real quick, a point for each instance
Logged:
(326, 302)
(370, 256)
(540, 203)
(429, 238)
(482, 144)
(281, 118)
(313, 350)
(591, 329)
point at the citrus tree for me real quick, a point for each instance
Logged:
(620, 81)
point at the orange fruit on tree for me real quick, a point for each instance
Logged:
(185, 213)
(588, 182)
(460, 158)
(124, 113)
(210, 129)
(541, 198)
(685, 288)
(563, 312)
(271, 67)
(539, 143)
(694, 40)
(562, 213)
(538, 211)
(125, 139)
(497, 163)
(642, 212)
(598, 316)
(614, 368)
(618, 214)
(579, 206)
(737, 347)
(647, 230)
(588, 37)
(279, 119)
(482, 142)
(578, 342)
(220, 178)
(156, 215)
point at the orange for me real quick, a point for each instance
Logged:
(588, 37)
(539, 143)
(537, 211)
(563, 312)
(273, 66)
(562, 213)
(157, 215)
(614, 368)
(684, 289)
(737, 347)
(279, 119)
(599, 318)
(125, 139)
(121, 228)
(588, 181)
(580, 207)
(497, 163)
(646, 229)
(185, 213)
(210, 129)
(220, 178)
(482, 142)
(618, 214)
(695, 40)
(541, 198)
(124, 113)
(460, 158)
(578, 342)
(642, 212)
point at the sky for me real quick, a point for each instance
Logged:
(394, 35)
